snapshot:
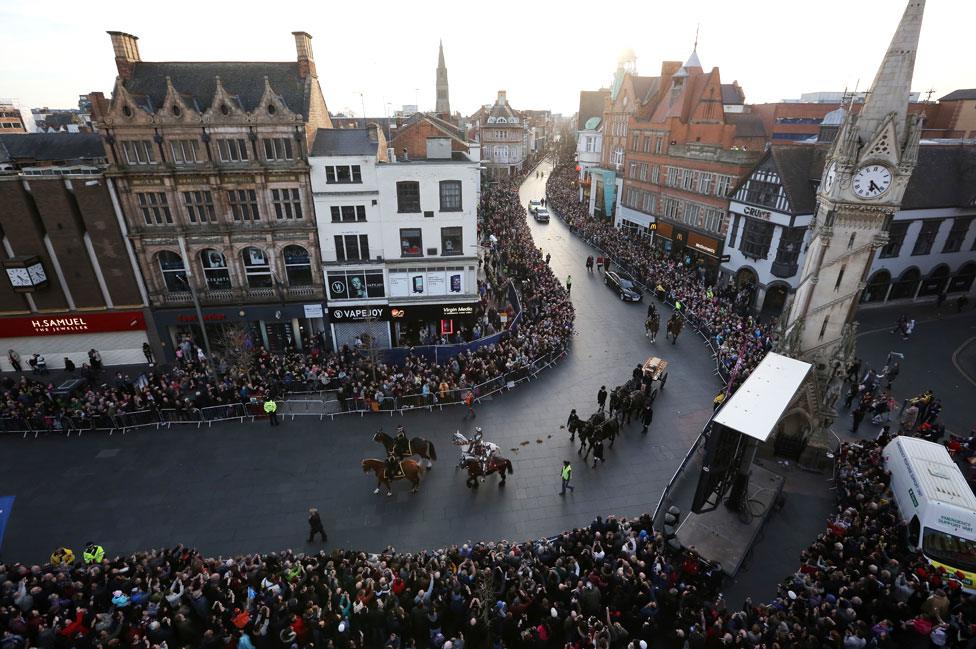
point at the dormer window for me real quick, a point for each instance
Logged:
(491, 120)
(176, 110)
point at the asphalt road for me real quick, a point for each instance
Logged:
(245, 488)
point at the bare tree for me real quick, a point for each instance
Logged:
(236, 349)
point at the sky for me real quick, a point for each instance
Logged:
(384, 54)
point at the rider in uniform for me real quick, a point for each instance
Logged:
(401, 445)
(479, 450)
(392, 466)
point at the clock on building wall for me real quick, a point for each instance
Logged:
(25, 274)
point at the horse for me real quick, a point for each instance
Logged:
(597, 427)
(651, 326)
(497, 464)
(418, 446)
(675, 323)
(616, 395)
(412, 470)
(632, 406)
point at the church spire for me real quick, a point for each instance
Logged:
(892, 85)
(443, 105)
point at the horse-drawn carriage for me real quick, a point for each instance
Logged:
(655, 371)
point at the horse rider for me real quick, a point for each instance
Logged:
(392, 467)
(479, 450)
(401, 445)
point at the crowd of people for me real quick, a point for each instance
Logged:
(616, 584)
(721, 313)
(359, 379)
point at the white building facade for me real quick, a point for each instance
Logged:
(504, 138)
(398, 238)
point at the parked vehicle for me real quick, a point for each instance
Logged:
(625, 287)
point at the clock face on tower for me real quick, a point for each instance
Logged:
(871, 181)
(37, 274)
(830, 176)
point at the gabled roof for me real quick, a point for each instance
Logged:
(591, 105)
(445, 127)
(732, 94)
(52, 147)
(197, 81)
(645, 87)
(958, 95)
(746, 124)
(800, 168)
(343, 141)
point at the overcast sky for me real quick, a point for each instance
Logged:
(542, 53)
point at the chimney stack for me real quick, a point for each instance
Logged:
(501, 97)
(303, 46)
(126, 50)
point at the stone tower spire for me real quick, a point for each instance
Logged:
(443, 104)
(892, 85)
(865, 175)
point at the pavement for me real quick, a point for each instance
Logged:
(237, 488)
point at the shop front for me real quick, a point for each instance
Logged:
(663, 236)
(276, 327)
(425, 324)
(118, 336)
(360, 325)
(704, 250)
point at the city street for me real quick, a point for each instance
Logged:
(246, 488)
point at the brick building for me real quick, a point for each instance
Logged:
(503, 135)
(685, 146)
(70, 281)
(210, 161)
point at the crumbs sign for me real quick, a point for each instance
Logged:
(72, 323)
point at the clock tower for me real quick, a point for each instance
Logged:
(865, 176)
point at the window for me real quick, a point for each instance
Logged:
(713, 219)
(672, 209)
(408, 196)
(185, 151)
(348, 213)
(756, 237)
(687, 179)
(646, 147)
(287, 203)
(352, 247)
(451, 241)
(411, 243)
(949, 549)
(343, 174)
(761, 192)
(723, 185)
(672, 176)
(634, 142)
(257, 271)
(658, 145)
(926, 237)
(173, 271)
(450, 196)
(278, 148)
(244, 204)
(650, 204)
(138, 152)
(705, 183)
(632, 170)
(232, 149)
(840, 277)
(199, 206)
(656, 175)
(215, 269)
(298, 266)
(790, 242)
(154, 207)
(735, 230)
(960, 226)
(896, 237)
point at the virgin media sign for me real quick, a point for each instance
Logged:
(60, 324)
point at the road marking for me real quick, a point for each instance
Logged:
(955, 361)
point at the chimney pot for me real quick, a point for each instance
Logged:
(303, 49)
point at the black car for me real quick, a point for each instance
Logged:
(624, 286)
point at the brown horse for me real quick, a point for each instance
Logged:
(411, 471)
(631, 406)
(497, 464)
(598, 426)
(418, 446)
(675, 323)
(651, 326)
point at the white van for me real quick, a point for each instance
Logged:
(937, 504)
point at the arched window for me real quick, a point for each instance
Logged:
(906, 285)
(256, 268)
(877, 288)
(963, 278)
(937, 280)
(173, 271)
(298, 266)
(215, 269)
